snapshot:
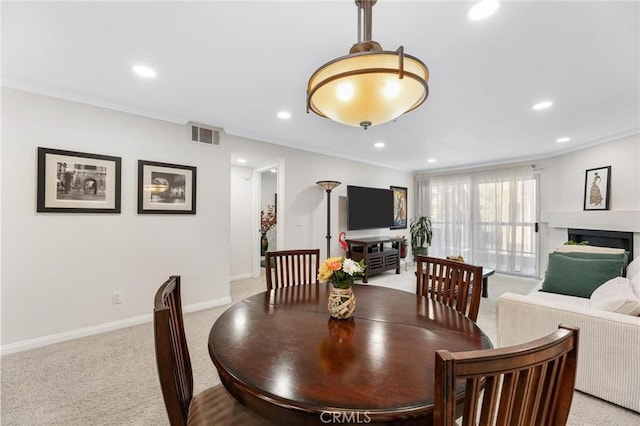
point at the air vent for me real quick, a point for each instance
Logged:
(204, 134)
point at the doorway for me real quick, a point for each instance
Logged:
(268, 191)
(268, 211)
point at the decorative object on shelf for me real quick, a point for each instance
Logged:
(328, 186)
(342, 241)
(268, 220)
(341, 272)
(597, 183)
(421, 234)
(402, 246)
(369, 86)
(77, 182)
(399, 207)
(165, 188)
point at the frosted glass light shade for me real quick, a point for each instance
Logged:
(368, 88)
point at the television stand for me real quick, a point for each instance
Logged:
(378, 254)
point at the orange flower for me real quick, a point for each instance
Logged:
(335, 265)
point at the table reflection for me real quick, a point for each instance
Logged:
(336, 353)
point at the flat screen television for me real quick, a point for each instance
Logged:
(369, 208)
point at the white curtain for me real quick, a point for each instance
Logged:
(488, 217)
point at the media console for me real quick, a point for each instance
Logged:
(378, 254)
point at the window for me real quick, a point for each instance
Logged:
(489, 218)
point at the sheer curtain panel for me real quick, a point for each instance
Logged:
(486, 217)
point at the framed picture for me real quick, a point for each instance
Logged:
(166, 188)
(597, 183)
(399, 207)
(77, 182)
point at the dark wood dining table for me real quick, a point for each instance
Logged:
(280, 354)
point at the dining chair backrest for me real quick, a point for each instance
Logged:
(291, 267)
(527, 384)
(456, 284)
(172, 353)
(212, 406)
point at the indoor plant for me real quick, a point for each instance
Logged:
(341, 272)
(421, 233)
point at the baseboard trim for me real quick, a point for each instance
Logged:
(241, 277)
(100, 328)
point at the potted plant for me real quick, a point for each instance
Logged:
(421, 233)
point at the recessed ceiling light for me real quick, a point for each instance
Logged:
(241, 160)
(284, 115)
(431, 160)
(542, 105)
(379, 144)
(273, 171)
(563, 140)
(144, 71)
(483, 10)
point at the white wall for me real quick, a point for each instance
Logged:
(562, 183)
(304, 202)
(59, 270)
(241, 224)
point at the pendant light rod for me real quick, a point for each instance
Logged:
(359, 35)
(367, 8)
(365, 11)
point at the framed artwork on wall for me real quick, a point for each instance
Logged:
(399, 207)
(165, 188)
(597, 183)
(77, 182)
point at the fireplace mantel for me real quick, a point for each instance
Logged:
(614, 220)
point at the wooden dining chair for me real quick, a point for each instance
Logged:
(291, 267)
(453, 283)
(527, 384)
(213, 406)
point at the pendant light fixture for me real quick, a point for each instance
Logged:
(369, 86)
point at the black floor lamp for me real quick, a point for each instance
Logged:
(328, 185)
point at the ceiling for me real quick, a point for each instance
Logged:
(235, 64)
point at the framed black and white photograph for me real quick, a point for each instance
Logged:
(166, 188)
(77, 182)
(596, 188)
(399, 207)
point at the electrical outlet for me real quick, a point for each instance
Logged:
(116, 297)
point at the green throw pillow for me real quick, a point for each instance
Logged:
(574, 276)
(623, 257)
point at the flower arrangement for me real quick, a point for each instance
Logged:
(340, 271)
(267, 220)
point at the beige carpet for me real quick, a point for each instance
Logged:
(111, 379)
